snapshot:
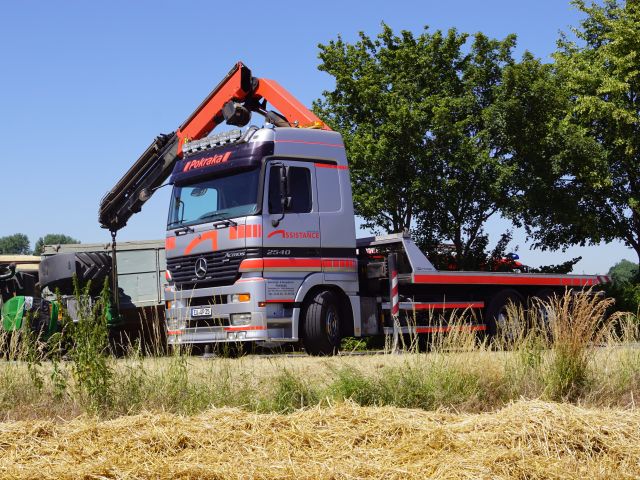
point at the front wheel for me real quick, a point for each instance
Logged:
(321, 326)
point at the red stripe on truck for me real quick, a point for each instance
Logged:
(242, 329)
(331, 165)
(443, 306)
(515, 279)
(298, 264)
(448, 328)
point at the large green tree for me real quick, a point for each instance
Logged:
(16, 244)
(574, 132)
(52, 239)
(414, 114)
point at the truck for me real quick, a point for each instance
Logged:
(261, 245)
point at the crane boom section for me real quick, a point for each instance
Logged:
(235, 86)
(289, 106)
(239, 90)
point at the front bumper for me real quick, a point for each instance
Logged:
(218, 327)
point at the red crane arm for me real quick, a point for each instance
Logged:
(239, 86)
(289, 106)
(235, 86)
(235, 96)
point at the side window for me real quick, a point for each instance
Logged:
(299, 190)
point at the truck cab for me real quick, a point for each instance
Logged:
(258, 222)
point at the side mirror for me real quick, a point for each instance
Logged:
(285, 198)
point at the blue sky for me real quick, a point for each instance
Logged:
(86, 86)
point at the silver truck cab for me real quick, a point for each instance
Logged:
(259, 223)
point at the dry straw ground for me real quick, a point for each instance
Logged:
(552, 402)
(526, 439)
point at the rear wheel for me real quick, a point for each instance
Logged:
(499, 321)
(321, 326)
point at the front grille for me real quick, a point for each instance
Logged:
(206, 301)
(222, 267)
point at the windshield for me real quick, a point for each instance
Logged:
(215, 199)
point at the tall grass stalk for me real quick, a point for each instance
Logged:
(578, 323)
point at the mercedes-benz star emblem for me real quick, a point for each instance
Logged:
(201, 267)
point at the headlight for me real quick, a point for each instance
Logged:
(239, 297)
(240, 319)
(174, 324)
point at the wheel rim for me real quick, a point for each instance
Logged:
(332, 323)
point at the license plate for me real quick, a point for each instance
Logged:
(201, 312)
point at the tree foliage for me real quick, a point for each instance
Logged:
(52, 239)
(414, 114)
(16, 244)
(625, 286)
(573, 129)
(624, 272)
(564, 267)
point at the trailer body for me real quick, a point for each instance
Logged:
(141, 279)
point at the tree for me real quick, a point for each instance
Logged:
(16, 244)
(623, 272)
(413, 111)
(52, 239)
(625, 286)
(574, 132)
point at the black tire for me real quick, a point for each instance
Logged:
(57, 271)
(7, 271)
(496, 313)
(321, 324)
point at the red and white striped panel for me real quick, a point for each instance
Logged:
(395, 299)
(299, 265)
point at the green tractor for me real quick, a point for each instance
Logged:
(41, 314)
(20, 304)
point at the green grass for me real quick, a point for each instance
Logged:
(581, 356)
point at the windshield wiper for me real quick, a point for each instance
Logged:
(225, 221)
(184, 230)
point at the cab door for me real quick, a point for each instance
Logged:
(296, 234)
